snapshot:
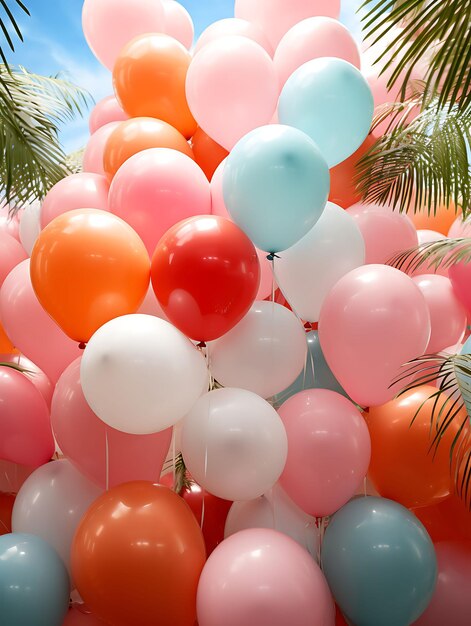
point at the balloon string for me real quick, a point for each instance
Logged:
(271, 501)
(203, 508)
(211, 387)
(107, 461)
(174, 460)
(322, 526)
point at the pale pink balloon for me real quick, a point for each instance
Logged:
(460, 276)
(328, 450)
(233, 26)
(105, 455)
(424, 237)
(262, 577)
(110, 24)
(11, 254)
(9, 224)
(232, 88)
(155, 189)
(373, 321)
(32, 373)
(178, 23)
(460, 229)
(313, 38)
(93, 155)
(77, 191)
(30, 328)
(106, 111)
(385, 232)
(79, 615)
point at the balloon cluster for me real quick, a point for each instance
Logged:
(210, 284)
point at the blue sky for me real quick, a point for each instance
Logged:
(54, 43)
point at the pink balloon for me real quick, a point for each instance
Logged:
(460, 229)
(93, 155)
(106, 111)
(276, 17)
(156, 188)
(9, 224)
(460, 276)
(260, 576)
(32, 373)
(79, 615)
(328, 450)
(313, 38)
(233, 26)
(427, 236)
(77, 191)
(108, 25)
(232, 88)
(385, 232)
(30, 328)
(11, 254)
(374, 320)
(84, 439)
(25, 428)
(451, 602)
(178, 23)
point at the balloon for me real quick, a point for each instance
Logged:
(264, 353)
(447, 520)
(151, 306)
(34, 586)
(107, 270)
(460, 228)
(208, 153)
(276, 17)
(109, 24)
(178, 23)
(374, 320)
(233, 26)
(313, 38)
(30, 327)
(271, 168)
(427, 236)
(51, 503)
(105, 111)
(232, 88)
(30, 226)
(441, 221)
(7, 500)
(6, 346)
(243, 583)
(386, 232)
(149, 80)
(32, 373)
(343, 189)
(137, 556)
(9, 222)
(421, 477)
(77, 191)
(12, 476)
(330, 100)
(379, 562)
(79, 615)
(307, 271)
(11, 254)
(460, 276)
(157, 188)
(95, 149)
(234, 444)
(141, 375)
(104, 455)
(205, 274)
(25, 429)
(137, 134)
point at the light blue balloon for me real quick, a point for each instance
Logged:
(34, 584)
(379, 562)
(330, 100)
(275, 186)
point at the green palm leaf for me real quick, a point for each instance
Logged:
(442, 253)
(8, 22)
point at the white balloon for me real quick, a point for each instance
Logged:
(307, 271)
(264, 353)
(141, 375)
(234, 444)
(30, 226)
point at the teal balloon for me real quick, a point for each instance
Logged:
(275, 186)
(34, 584)
(330, 100)
(379, 562)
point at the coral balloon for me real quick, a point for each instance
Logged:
(149, 80)
(233, 26)
(208, 153)
(441, 221)
(106, 111)
(343, 190)
(7, 500)
(95, 149)
(137, 557)
(11, 254)
(107, 270)
(460, 276)
(178, 23)
(32, 373)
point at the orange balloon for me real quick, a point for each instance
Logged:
(7, 500)
(137, 557)
(449, 520)
(137, 134)
(402, 468)
(441, 222)
(343, 191)
(149, 80)
(88, 267)
(6, 346)
(208, 153)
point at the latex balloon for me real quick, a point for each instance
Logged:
(34, 586)
(447, 520)
(208, 153)
(107, 270)
(6, 346)
(379, 562)
(95, 149)
(271, 168)
(343, 189)
(264, 353)
(132, 372)
(234, 444)
(440, 220)
(241, 583)
(232, 88)
(80, 615)
(12, 476)
(11, 254)
(149, 80)
(373, 321)
(30, 226)
(205, 274)
(233, 26)
(105, 111)
(460, 228)
(7, 500)
(427, 236)
(460, 276)
(137, 556)
(156, 189)
(106, 456)
(307, 271)
(178, 23)
(9, 222)
(325, 94)
(32, 373)
(137, 134)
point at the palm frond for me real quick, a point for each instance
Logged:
(7, 23)
(442, 253)
(74, 161)
(14, 366)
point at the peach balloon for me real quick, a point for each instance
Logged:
(233, 26)
(106, 111)
(178, 23)
(441, 221)
(95, 148)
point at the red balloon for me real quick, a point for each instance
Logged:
(79, 615)
(7, 500)
(205, 274)
(449, 520)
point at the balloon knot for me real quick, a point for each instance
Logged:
(272, 256)
(202, 344)
(82, 345)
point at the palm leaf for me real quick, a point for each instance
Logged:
(16, 367)
(442, 253)
(8, 22)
